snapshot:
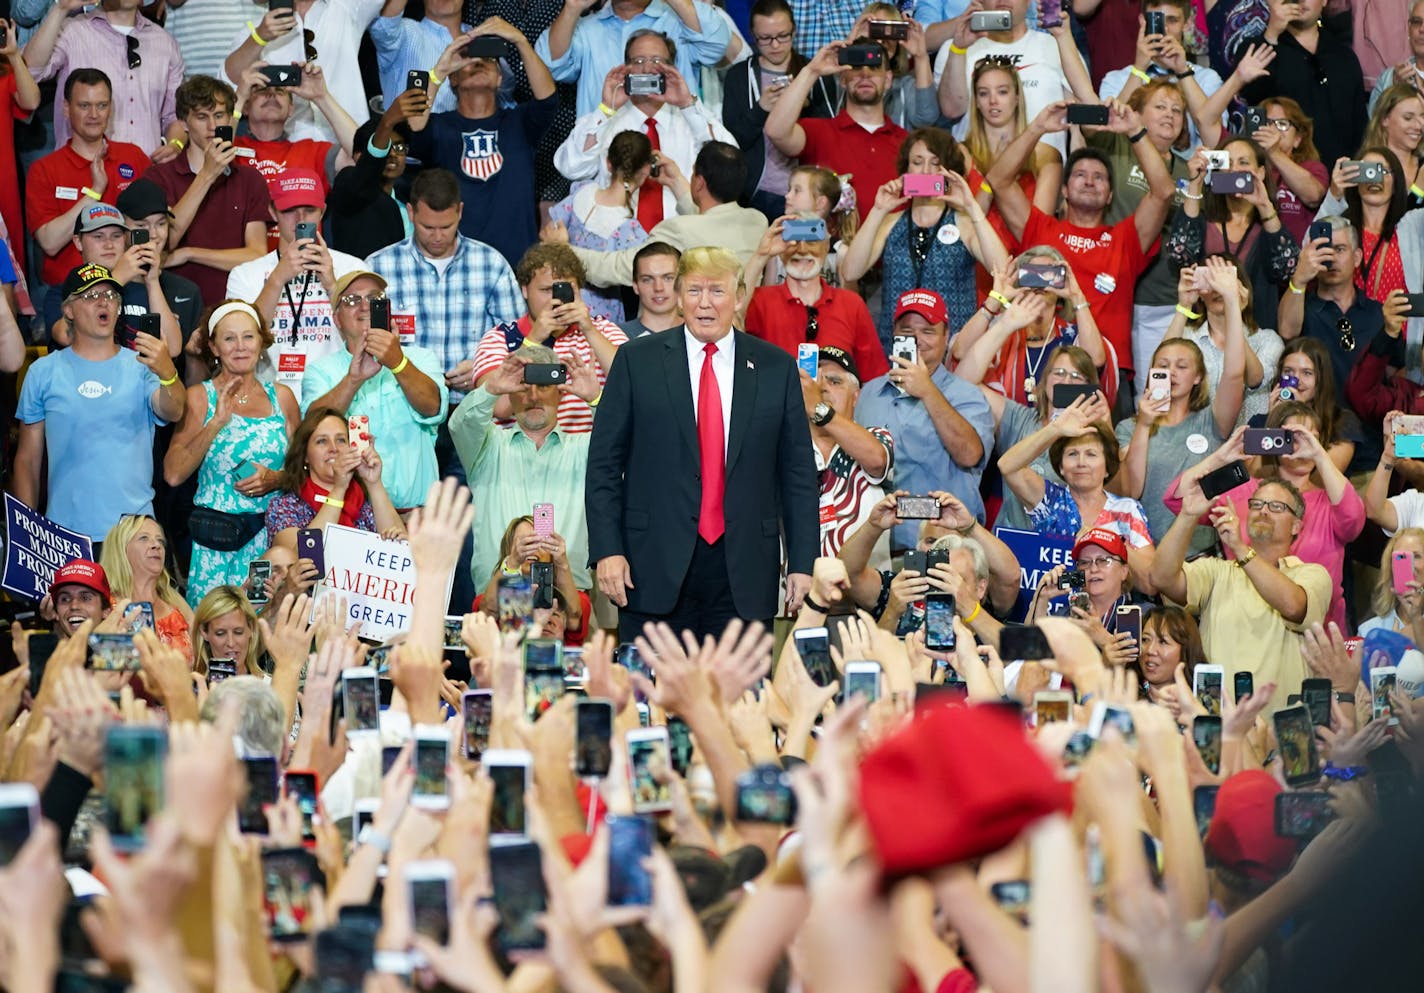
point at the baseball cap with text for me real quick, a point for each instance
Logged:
(927, 303)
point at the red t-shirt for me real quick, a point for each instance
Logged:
(841, 144)
(1296, 216)
(9, 174)
(53, 185)
(842, 320)
(272, 158)
(1106, 262)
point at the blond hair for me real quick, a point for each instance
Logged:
(115, 560)
(711, 261)
(1385, 599)
(223, 600)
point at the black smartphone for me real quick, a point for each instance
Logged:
(1239, 183)
(545, 373)
(764, 795)
(417, 79)
(1253, 120)
(42, 646)
(1023, 642)
(630, 841)
(917, 508)
(1416, 305)
(1206, 735)
(541, 575)
(915, 560)
(311, 546)
(593, 738)
(1064, 394)
(1302, 815)
(133, 781)
(1267, 441)
(485, 46)
(478, 708)
(1091, 114)
(264, 787)
(290, 75)
(301, 784)
(1156, 22)
(1225, 479)
(680, 745)
(1315, 694)
(288, 877)
(814, 647)
(519, 896)
(1319, 230)
(1204, 807)
(381, 314)
(223, 132)
(138, 236)
(1243, 684)
(939, 622)
(304, 231)
(861, 56)
(344, 954)
(1295, 737)
(563, 291)
(281, 4)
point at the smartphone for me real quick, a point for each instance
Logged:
(310, 545)
(764, 795)
(1204, 807)
(861, 56)
(1382, 681)
(344, 955)
(1402, 567)
(430, 886)
(593, 738)
(42, 646)
(922, 185)
(1232, 183)
(1295, 737)
(1129, 620)
(803, 229)
(19, 816)
(543, 675)
(1302, 815)
(892, 30)
(139, 615)
(917, 508)
(1025, 642)
(905, 346)
(133, 781)
(862, 677)
(264, 787)
(680, 743)
(220, 669)
(417, 79)
(916, 561)
(1050, 13)
(110, 652)
(281, 4)
(1159, 384)
(1052, 706)
(361, 699)
(510, 771)
(1416, 309)
(514, 598)
(1042, 276)
(1243, 684)
(1091, 114)
(486, 46)
(1156, 22)
(301, 785)
(1369, 172)
(630, 841)
(288, 877)
(1012, 895)
(808, 358)
(646, 747)
(477, 706)
(546, 373)
(358, 431)
(644, 84)
(1225, 479)
(991, 20)
(1064, 394)
(1267, 441)
(362, 813)
(1321, 230)
(519, 896)
(258, 573)
(431, 759)
(1207, 682)
(939, 622)
(223, 132)
(1316, 694)
(380, 311)
(814, 647)
(541, 580)
(1106, 715)
(1206, 735)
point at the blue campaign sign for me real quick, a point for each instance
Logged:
(35, 547)
(1037, 554)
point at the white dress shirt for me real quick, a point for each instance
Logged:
(723, 363)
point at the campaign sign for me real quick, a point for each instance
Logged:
(377, 578)
(35, 547)
(1037, 554)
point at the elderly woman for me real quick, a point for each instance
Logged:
(1101, 555)
(326, 479)
(1390, 609)
(234, 434)
(135, 558)
(225, 627)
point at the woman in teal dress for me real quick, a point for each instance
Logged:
(234, 435)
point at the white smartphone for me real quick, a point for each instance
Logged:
(361, 699)
(1207, 682)
(1382, 680)
(647, 746)
(1159, 385)
(19, 816)
(863, 677)
(511, 772)
(430, 887)
(430, 759)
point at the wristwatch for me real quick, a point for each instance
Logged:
(378, 840)
(823, 414)
(1344, 697)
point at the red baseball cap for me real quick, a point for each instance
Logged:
(927, 303)
(82, 572)
(1106, 539)
(298, 188)
(1242, 836)
(956, 783)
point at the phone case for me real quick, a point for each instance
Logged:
(358, 431)
(1402, 564)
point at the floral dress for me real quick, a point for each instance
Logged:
(260, 440)
(599, 229)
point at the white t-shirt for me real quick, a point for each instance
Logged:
(1409, 507)
(1040, 71)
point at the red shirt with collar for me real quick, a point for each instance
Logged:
(841, 144)
(842, 318)
(53, 185)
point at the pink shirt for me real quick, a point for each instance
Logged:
(1325, 529)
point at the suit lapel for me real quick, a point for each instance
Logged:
(679, 384)
(744, 383)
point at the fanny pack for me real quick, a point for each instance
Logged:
(224, 532)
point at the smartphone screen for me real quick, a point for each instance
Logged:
(361, 700)
(593, 750)
(288, 875)
(541, 578)
(643, 753)
(1302, 815)
(478, 706)
(432, 756)
(939, 622)
(680, 744)
(1295, 737)
(630, 842)
(1023, 642)
(42, 646)
(519, 896)
(19, 813)
(302, 785)
(862, 678)
(1243, 684)
(430, 907)
(1316, 695)
(133, 782)
(507, 804)
(514, 599)
(263, 788)
(1206, 735)
(814, 647)
(1206, 684)
(1204, 807)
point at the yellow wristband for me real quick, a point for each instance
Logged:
(400, 366)
(179, 142)
(975, 613)
(956, 50)
(92, 195)
(987, 188)
(168, 382)
(1294, 288)
(1185, 312)
(999, 298)
(435, 78)
(331, 501)
(595, 401)
(1417, 192)
(605, 110)
(261, 41)
(1139, 74)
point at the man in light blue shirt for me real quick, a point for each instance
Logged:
(942, 426)
(534, 462)
(399, 387)
(403, 44)
(586, 48)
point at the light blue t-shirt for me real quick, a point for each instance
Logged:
(98, 423)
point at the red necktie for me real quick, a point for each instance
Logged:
(650, 194)
(710, 522)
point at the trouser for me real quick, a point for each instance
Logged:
(462, 589)
(704, 604)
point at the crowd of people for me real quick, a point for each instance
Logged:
(881, 488)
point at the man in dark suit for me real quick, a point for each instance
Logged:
(700, 460)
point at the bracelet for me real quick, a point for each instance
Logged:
(1186, 73)
(91, 194)
(378, 840)
(596, 400)
(170, 381)
(1247, 557)
(1187, 313)
(400, 366)
(1416, 191)
(986, 188)
(1139, 74)
(999, 298)
(1192, 196)
(261, 41)
(970, 619)
(331, 501)
(605, 110)
(818, 608)
(1342, 697)
(1081, 305)
(956, 50)
(1134, 139)
(1344, 773)
(991, 314)
(177, 141)
(435, 78)
(1274, 216)
(1294, 288)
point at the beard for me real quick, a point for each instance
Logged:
(1260, 531)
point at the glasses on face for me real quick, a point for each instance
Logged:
(135, 60)
(1101, 562)
(309, 41)
(1274, 506)
(399, 147)
(96, 296)
(356, 299)
(1347, 334)
(813, 324)
(1280, 123)
(773, 39)
(648, 60)
(1072, 374)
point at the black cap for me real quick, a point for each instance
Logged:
(842, 358)
(86, 277)
(143, 198)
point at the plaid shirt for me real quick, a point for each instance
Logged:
(819, 22)
(452, 312)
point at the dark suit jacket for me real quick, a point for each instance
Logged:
(644, 491)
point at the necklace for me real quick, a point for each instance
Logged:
(1031, 368)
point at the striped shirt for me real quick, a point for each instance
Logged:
(403, 44)
(452, 304)
(575, 415)
(204, 29)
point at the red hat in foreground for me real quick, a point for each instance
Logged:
(1242, 836)
(956, 783)
(82, 572)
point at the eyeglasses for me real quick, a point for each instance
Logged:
(135, 60)
(1280, 123)
(309, 40)
(648, 60)
(1347, 334)
(773, 39)
(95, 296)
(1274, 506)
(813, 325)
(356, 300)
(1072, 374)
(399, 147)
(1102, 562)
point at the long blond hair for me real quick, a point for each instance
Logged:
(977, 139)
(219, 601)
(1384, 599)
(115, 560)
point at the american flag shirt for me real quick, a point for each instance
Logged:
(848, 493)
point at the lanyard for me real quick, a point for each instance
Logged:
(297, 309)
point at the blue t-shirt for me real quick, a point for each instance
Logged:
(493, 157)
(98, 425)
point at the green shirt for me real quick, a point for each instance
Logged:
(404, 439)
(508, 475)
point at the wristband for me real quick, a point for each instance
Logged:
(1186, 73)
(435, 78)
(975, 613)
(1294, 288)
(1344, 774)
(170, 381)
(1081, 305)
(1187, 313)
(1134, 139)
(1342, 697)
(1267, 220)
(400, 366)
(987, 188)
(331, 501)
(596, 400)
(1000, 299)
(956, 50)
(261, 41)
(1139, 75)
(818, 608)
(92, 195)
(605, 110)
(378, 840)
(379, 153)
(178, 142)
(1417, 192)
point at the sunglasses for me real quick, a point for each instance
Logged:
(1347, 334)
(135, 60)
(309, 40)
(813, 325)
